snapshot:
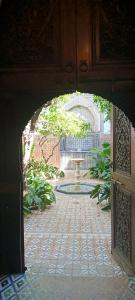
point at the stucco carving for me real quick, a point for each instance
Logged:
(123, 222)
(122, 142)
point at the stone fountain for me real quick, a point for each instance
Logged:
(77, 187)
(77, 162)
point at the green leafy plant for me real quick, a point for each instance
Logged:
(102, 170)
(102, 192)
(56, 121)
(45, 170)
(52, 119)
(104, 106)
(39, 193)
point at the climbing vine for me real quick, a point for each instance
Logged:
(104, 106)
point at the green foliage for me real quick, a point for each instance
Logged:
(43, 169)
(102, 170)
(104, 106)
(55, 120)
(39, 193)
(101, 191)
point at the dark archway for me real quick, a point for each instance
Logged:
(18, 108)
(70, 49)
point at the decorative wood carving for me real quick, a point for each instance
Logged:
(115, 30)
(122, 142)
(123, 222)
(29, 32)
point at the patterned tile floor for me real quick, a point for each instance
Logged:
(71, 240)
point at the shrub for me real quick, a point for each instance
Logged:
(102, 192)
(45, 170)
(39, 193)
(102, 170)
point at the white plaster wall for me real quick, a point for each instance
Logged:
(87, 107)
(85, 113)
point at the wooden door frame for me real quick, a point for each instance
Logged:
(21, 115)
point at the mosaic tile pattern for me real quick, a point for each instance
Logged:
(67, 251)
(11, 285)
(131, 285)
(71, 238)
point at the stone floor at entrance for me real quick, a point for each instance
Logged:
(72, 238)
(68, 255)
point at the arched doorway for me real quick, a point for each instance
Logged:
(17, 236)
(26, 79)
(121, 246)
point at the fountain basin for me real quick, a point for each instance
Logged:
(75, 188)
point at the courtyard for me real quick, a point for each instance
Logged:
(68, 254)
(67, 236)
(54, 245)
(72, 237)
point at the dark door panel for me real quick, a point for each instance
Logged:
(123, 246)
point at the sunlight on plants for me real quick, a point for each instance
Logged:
(102, 170)
(50, 120)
